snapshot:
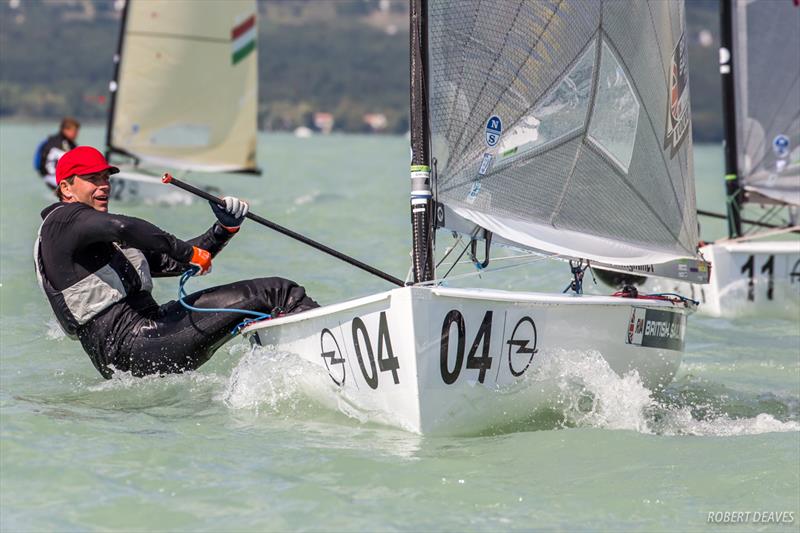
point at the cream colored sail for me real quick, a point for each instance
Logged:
(186, 91)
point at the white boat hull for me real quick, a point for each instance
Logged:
(747, 279)
(445, 361)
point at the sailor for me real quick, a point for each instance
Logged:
(51, 149)
(96, 269)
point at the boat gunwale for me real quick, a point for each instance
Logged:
(495, 295)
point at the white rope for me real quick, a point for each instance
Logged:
(520, 256)
(439, 281)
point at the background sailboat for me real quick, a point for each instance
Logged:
(184, 94)
(756, 272)
(559, 127)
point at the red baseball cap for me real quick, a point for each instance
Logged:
(81, 161)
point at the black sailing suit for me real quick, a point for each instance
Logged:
(95, 269)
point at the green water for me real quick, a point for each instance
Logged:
(237, 446)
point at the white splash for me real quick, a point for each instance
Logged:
(591, 394)
(276, 380)
(125, 380)
(583, 387)
(54, 331)
(302, 200)
(306, 198)
(288, 385)
(681, 422)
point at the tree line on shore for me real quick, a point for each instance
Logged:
(342, 66)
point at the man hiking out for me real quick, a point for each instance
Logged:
(96, 270)
(52, 148)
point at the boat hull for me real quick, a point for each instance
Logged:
(449, 361)
(133, 187)
(748, 279)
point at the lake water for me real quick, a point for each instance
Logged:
(204, 451)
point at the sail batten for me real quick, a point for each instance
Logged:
(551, 120)
(186, 90)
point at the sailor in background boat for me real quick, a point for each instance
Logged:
(96, 270)
(51, 149)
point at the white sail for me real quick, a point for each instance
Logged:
(187, 87)
(564, 126)
(766, 61)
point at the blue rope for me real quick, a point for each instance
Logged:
(182, 294)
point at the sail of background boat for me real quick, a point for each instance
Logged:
(756, 268)
(185, 93)
(565, 127)
(766, 73)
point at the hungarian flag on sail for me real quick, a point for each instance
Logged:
(243, 37)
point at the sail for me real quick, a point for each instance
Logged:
(187, 87)
(563, 126)
(766, 70)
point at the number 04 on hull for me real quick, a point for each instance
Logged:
(449, 361)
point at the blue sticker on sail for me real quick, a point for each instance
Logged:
(780, 145)
(473, 192)
(494, 128)
(487, 160)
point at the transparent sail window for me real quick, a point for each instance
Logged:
(616, 111)
(559, 114)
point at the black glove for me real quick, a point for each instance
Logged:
(232, 214)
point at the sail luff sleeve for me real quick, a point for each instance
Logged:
(421, 193)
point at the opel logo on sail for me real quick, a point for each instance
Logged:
(522, 346)
(332, 356)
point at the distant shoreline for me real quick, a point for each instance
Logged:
(18, 120)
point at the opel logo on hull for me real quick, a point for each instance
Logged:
(332, 356)
(522, 346)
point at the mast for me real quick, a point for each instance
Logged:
(421, 195)
(113, 85)
(732, 186)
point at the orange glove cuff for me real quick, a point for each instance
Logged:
(201, 259)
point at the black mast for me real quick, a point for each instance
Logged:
(421, 195)
(113, 86)
(726, 65)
